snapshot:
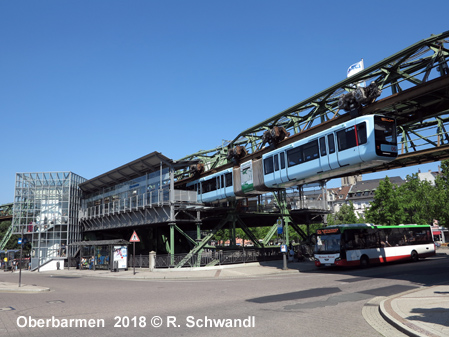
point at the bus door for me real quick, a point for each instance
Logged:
(332, 153)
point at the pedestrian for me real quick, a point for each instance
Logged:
(291, 254)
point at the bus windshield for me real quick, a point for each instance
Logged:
(328, 243)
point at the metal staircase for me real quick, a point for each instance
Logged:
(6, 238)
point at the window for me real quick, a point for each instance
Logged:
(331, 143)
(210, 185)
(361, 133)
(294, 156)
(310, 150)
(385, 130)
(346, 139)
(282, 160)
(268, 165)
(228, 179)
(322, 146)
(276, 162)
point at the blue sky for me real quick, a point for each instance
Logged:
(87, 86)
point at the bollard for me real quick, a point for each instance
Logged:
(152, 261)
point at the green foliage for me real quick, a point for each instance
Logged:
(442, 195)
(346, 215)
(415, 201)
(385, 209)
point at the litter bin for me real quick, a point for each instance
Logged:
(115, 266)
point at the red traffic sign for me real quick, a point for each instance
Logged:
(134, 238)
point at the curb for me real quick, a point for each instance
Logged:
(387, 312)
(13, 288)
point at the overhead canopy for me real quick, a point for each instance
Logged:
(137, 168)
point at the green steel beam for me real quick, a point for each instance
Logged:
(185, 235)
(270, 234)
(6, 237)
(410, 67)
(299, 230)
(248, 232)
(203, 242)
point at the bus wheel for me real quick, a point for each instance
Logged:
(415, 256)
(364, 261)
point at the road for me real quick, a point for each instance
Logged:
(323, 302)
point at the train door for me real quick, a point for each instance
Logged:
(280, 168)
(324, 159)
(283, 167)
(347, 146)
(220, 187)
(332, 153)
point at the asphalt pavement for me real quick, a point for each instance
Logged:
(419, 312)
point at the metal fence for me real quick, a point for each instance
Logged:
(211, 257)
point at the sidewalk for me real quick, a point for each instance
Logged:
(422, 312)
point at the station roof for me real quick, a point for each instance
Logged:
(137, 168)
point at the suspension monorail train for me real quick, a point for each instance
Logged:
(360, 143)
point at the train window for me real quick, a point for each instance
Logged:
(268, 165)
(228, 179)
(322, 146)
(276, 162)
(310, 150)
(222, 181)
(294, 156)
(361, 133)
(282, 160)
(210, 185)
(346, 139)
(331, 143)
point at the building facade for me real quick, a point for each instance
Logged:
(46, 208)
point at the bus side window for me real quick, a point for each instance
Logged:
(331, 143)
(349, 239)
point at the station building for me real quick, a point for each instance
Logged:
(56, 210)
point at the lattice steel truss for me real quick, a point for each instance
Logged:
(423, 115)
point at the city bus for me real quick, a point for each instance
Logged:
(364, 244)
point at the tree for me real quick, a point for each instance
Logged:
(385, 209)
(417, 200)
(442, 194)
(346, 214)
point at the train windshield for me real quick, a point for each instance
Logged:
(329, 243)
(386, 138)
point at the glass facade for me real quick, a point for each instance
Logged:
(46, 208)
(145, 190)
